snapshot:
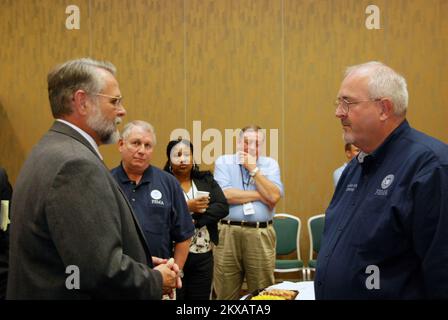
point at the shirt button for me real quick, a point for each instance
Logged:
(319, 283)
(133, 190)
(133, 199)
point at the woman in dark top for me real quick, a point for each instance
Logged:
(205, 212)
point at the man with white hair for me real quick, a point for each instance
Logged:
(73, 233)
(155, 195)
(386, 228)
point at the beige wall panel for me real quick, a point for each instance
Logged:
(34, 38)
(233, 64)
(417, 34)
(144, 39)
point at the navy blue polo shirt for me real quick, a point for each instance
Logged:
(159, 204)
(390, 211)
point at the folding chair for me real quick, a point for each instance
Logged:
(315, 231)
(287, 228)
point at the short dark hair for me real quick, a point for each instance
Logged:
(172, 143)
(195, 172)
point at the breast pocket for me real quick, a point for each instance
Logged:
(380, 234)
(158, 218)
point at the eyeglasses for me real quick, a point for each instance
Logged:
(116, 101)
(345, 104)
(136, 144)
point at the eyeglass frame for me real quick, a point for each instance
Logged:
(116, 103)
(343, 101)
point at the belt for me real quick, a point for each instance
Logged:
(263, 224)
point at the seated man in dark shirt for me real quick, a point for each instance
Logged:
(155, 195)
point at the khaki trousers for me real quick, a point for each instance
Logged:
(243, 252)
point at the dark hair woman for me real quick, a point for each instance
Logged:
(207, 204)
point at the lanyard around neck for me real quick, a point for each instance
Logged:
(245, 183)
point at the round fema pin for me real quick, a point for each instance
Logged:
(156, 194)
(387, 181)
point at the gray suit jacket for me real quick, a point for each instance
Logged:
(68, 210)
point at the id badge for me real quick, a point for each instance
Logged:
(248, 209)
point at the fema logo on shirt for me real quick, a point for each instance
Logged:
(386, 183)
(156, 195)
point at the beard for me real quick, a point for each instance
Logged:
(104, 128)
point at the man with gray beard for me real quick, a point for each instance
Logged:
(73, 233)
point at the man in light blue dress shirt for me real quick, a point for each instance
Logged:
(252, 186)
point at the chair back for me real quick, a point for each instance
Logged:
(287, 228)
(315, 230)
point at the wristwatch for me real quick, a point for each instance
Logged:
(254, 172)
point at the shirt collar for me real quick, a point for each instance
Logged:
(85, 135)
(122, 175)
(380, 152)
